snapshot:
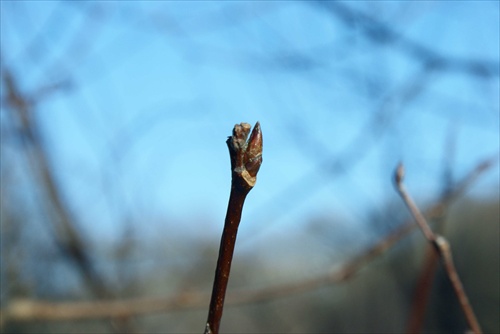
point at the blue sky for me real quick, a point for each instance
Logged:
(156, 87)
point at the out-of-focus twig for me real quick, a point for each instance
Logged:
(339, 163)
(67, 237)
(383, 34)
(66, 234)
(442, 248)
(422, 291)
(424, 283)
(423, 287)
(29, 310)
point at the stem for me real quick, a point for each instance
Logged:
(246, 159)
(422, 292)
(226, 250)
(442, 248)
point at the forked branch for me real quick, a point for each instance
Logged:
(31, 310)
(442, 247)
(246, 159)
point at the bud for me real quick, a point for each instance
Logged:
(253, 154)
(240, 135)
(246, 156)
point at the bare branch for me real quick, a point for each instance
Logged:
(383, 34)
(28, 310)
(246, 159)
(442, 247)
(339, 163)
(67, 236)
(423, 287)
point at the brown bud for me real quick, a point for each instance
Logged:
(253, 154)
(246, 156)
(240, 135)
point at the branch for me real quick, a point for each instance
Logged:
(28, 310)
(423, 287)
(337, 164)
(66, 235)
(383, 34)
(246, 159)
(442, 248)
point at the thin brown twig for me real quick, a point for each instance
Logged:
(425, 280)
(29, 310)
(422, 292)
(442, 248)
(246, 159)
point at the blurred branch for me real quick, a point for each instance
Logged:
(66, 234)
(36, 49)
(422, 292)
(442, 248)
(425, 280)
(336, 164)
(28, 310)
(383, 34)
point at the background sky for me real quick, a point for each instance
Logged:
(135, 100)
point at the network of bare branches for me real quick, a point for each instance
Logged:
(113, 121)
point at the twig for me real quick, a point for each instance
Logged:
(422, 291)
(246, 159)
(66, 235)
(384, 34)
(338, 163)
(29, 310)
(423, 287)
(442, 248)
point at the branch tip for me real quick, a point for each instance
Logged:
(246, 156)
(399, 174)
